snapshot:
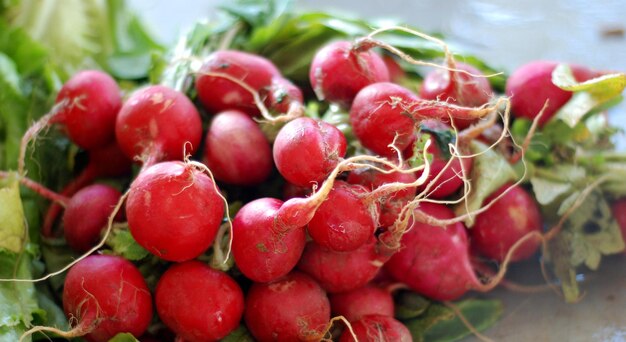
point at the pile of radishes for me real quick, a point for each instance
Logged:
(348, 229)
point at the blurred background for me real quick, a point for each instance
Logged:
(505, 33)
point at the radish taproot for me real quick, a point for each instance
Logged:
(510, 218)
(91, 100)
(158, 123)
(303, 314)
(87, 214)
(236, 150)
(339, 71)
(261, 253)
(174, 210)
(218, 93)
(307, 150)
(105, 295)
(198, 303)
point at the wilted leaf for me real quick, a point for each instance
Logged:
(12, 225)
(546, 191)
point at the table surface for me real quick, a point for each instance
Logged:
(506, 34)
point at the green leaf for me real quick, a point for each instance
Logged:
(443, 138)
(257, 13)
(12, 225)
(559, 254)
(410, 305)
(490, 172)
(18, 302)
(441, 323)
(546, 191)
(124, 337)
(587, 95)
(594, 232)
(123, 244)
(241, 334)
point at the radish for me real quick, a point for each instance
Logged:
(344, 221)
(446, 176)
(108, 161)
(396, 73)
(392, 204)
(307, 150)
(158, 123)
(339, 71)
(458, 88)
(218, 94)
(105, 295)
(342, 271)
(379, 117)
(198, 303)
(174, 210)
(434, 261)
(377, 328)
(506, 221)
(292, 308)
(91, 102)
(530, 85)
(619, 212)
(367, 300)
(261, 253)
(87, 214)
(236, 150)
(283, 95)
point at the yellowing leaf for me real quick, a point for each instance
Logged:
(587, 95)
(12, 227)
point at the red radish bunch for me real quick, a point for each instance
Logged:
(344, 216)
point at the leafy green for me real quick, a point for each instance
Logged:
(490, 171)
(123, 244)
(12, 225)
(587, 95)
(410, 305)
(241, 334)
(441, 323)
(124, 337)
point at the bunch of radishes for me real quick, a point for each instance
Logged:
(347, 227)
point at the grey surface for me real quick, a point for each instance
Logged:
(506, 34)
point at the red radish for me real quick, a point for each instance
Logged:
(377, 328)
(367, 300)
(198, 303)
(344, 221)
(508, 220)
(158, 123)
(434, 261)
(443, 181)
(108, 161)
(282, 95)
(174, 210)
(307, 150)
(458, 88)
(530, 85)
(396, 73)
(619, 212)
(261, 253)
(292, 308)
(339, 71)
(106, 295)
(218, 94)
(92, 100)
(379, 117)
(87, 214)
(390, 205)
(236, 150)
(342, 271)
